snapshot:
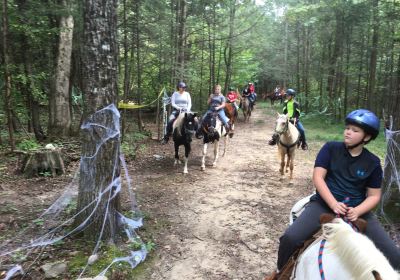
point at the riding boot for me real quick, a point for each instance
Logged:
(274, 139)
(198, 133)
(304, 146)
(227, 127)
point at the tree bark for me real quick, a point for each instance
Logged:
(374, 53)
(59, 103)
(99, 169)
(7, 78)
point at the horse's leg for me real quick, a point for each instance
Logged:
(176, 154)
(282, 162)
(225, 144)
(288, 162)
(216, 152)
(291, 165)
(187, 152)
(203, 159)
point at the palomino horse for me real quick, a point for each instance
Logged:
(232, 114)
(246, 108)
(183, 129)
(288, 139)
(342, 253)
(213, 130)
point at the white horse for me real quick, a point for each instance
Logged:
(287, 144)
(213, 130)
(347, 254)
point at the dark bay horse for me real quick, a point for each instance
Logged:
(232, 114)
(276, 96)
(183, 129)
(213, 130)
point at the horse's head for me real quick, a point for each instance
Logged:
(282, 124)
(190, 125)
(209, 126)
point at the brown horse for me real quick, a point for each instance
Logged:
(288, 139)
(232, 114)
(276, 96)
(246, 108)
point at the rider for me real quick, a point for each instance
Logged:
(180, 101)
(277, 91)
(344, 170)
(292, 108)
(232, 96)
(249, 92)
(216, 102)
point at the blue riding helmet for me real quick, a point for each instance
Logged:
(365, 119)
(291, 92)
(181, 85)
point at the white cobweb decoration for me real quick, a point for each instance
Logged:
(58, 221)
(390, 201)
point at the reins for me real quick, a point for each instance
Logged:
(323, 241)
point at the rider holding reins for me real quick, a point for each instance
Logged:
(344, 171)
(180, 101)
(292, 109)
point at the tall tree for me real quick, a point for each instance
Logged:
(99, 169)
(7, 76)
(59, 101)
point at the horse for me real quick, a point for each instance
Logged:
(232, 114)
(184, 127)
(213, 130)
(246, 108)
(273, 96)
(288, 139)
(342, 253)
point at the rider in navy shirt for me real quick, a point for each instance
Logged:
(344, 170)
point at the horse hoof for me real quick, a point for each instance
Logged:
(185, 172)
(203, 168)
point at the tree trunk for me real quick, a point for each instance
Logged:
(228, 49)
(99, 169)
(59, 103)
(138, 66)
(7, 78)
(374, 51)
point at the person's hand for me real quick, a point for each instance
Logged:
(339, 208)
(352, 214)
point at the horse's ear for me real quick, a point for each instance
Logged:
(185, 114)
(361, 224)
(326, 218)
(376, 274)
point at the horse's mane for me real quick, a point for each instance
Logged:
(178, 123)
(357, 252)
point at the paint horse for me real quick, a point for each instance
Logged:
(288, 139)
(213, 131)
(184, 127)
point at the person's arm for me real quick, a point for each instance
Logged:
(173, 104)
(373, 198)
(221, 106)
(189, 106)
(319, 175)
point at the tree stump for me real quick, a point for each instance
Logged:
(43, 162)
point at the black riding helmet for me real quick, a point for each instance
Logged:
(291, 92)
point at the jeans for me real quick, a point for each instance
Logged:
(301, 130)
(221, 114)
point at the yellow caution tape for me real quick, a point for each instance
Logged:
(133, 105)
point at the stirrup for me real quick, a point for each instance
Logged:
(304, 146)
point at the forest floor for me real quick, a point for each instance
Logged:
(224, 222)
(221, 223)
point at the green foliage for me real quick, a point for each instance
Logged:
(28, 145)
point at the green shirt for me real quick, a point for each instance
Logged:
(291, 108)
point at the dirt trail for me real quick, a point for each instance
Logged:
(223, 223)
